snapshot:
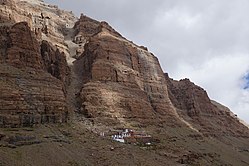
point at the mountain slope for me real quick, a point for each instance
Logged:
(66, 81)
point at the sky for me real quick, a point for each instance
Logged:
(206, 41)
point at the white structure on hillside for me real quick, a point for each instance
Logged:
(121, 135)
(132, 137)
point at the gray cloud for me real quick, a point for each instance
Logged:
(207, 41)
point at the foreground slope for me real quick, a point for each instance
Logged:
(65, 81)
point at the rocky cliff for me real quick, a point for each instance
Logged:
(209, 117)
(34, 73)
(129, 79)
(29, 94)
(83, 78)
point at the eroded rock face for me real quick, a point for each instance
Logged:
(86, 26)
(55, 62)
(185, 95)
(24, 49)
(5, 7)
(115, 81)
(122, 81)
(30, 97)
(4, 42)
(47, 22)
(29, 94)
(209, 117)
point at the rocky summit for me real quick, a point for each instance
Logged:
(74, 91)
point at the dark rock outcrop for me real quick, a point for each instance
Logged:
(55, 62)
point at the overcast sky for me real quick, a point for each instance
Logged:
(206, 41)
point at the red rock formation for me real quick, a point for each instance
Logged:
(86, 26)
(122, 81)
(29, 95)
(24, 50)
(55, 62)
(113, 83)
(185, 95)
(194, 105)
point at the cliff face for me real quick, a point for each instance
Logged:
(55, 62)
(122, 81)
(47, 22)
(23, 50)
(34, 73)
(113, 81)
(55, 67)
(209, 117)
(185, 95)
(29, 95)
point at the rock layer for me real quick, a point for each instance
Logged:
(114, 80)
(55, 62)
(108, 83)
(30, 97)
(209, 117)
(29, 94)
(121, 80)
(24, 49)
